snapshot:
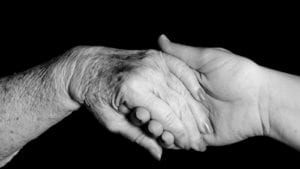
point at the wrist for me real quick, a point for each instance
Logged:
(63, 70)
(86, 66)
(74, 71)
(264, 102)
(283, 107)
(96, 74)
(271, 101)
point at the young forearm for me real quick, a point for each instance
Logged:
(284, 107)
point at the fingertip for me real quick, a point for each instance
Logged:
(155, 128)
(150, 145)
(159, 155)
(143, 115)
(156, 152)
(189, 54)
(163, 42)
(167, 138)
(164, 38)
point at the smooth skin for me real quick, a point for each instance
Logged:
(234, 87)
(244, 99)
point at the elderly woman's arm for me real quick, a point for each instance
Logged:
(30, 103)
(103, 79)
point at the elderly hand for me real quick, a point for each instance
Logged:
(157, 88)
(111, 82)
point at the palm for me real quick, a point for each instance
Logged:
(232, 85)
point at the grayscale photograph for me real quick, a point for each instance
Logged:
(154, 87)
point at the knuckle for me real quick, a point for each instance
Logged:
(209, 51)
(152, 52)
(130, 83)
(169, 119)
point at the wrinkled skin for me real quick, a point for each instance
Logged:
(144, 80)
(162, 91)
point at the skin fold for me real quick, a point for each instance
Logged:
(155, 78)
(104, 80)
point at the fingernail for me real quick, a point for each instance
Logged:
(208, 129)
(157, 154)
(196, 95)
(164, 37)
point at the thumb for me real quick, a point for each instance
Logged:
(193, 56)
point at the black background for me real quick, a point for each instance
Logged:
(32, 34)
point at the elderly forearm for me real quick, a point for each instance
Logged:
(33, 101)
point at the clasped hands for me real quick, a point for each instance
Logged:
(182, 98)
(152, 92)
